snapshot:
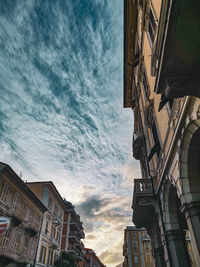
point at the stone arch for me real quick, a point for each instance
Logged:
(172, 216)
(189, 168)
(174, 224)
(190, 162)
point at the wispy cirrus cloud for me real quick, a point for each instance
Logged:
(61, 115)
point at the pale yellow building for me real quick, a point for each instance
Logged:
(161, 85)
(137, 250)
(49, 246)
(18, 203)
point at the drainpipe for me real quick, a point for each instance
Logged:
(68, 229)
(39, 240)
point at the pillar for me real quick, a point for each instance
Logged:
(177, 248)
(192, 215)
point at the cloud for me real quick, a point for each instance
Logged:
(109, 257)
(109, 215)
(130, 171)
(61, 119)
(91, 237)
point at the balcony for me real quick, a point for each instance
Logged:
(78, 252)
(143, 202)
(137, 146)
(56, 219)
(75, 225)
(73, 236)
(16, 214)
(54, 244)
(79, 245)
(8, 255)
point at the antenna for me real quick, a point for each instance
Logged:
(20, 174)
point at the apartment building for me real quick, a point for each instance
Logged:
(161, 85)
(49, 246)
(18, 203)
(92, 259)
(137, 250)
(72, 232)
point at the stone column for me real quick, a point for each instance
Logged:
(159, 257)
(177, 248)
(157, 248)
(192, 215)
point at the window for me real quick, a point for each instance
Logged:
(135, 245)
(53, 231)
(135, 258)
(43, 254)
(31, 214)
(145, 85)
(4, 192)
(58, 236)
(50, 204)
(17, 241)
(25, 205)
(46, 227)
(38, 219)
(133, 234)
(6, 240)
(152, 26)
(15, 200)
(55, 209)
(147, 245)
(50, 257)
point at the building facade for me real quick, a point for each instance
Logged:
(137, 250)
(92, 259)
(18, 244)
(72, 232)
(161, 85)
(49, 246)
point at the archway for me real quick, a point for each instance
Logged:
(190, 181)
(175, 227)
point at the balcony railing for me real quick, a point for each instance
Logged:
(74, 237)
(17, 255)
(18, 216)
(76, 225)
(78, 252)
(143, 187)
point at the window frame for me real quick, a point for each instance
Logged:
(4, 192)
(150, 24)
(15, 200)
(135, 244)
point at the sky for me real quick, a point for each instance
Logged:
(62, 115)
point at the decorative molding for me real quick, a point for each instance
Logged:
(149, 114)
(175, 112)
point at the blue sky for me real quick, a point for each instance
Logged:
(62, 116)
